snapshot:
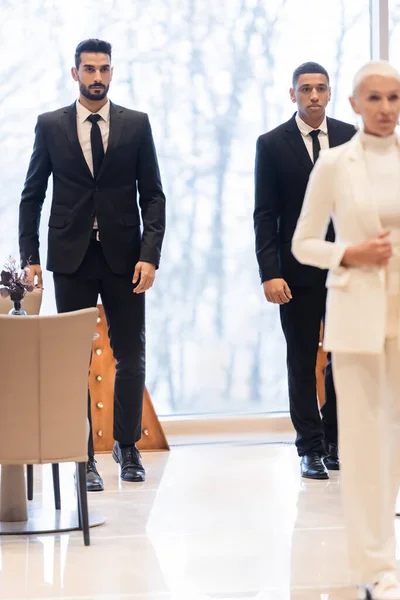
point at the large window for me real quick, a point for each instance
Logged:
(212, 76)
(394, 32)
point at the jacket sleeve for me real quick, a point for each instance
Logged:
(308, 244)
(151, 198)
(32, 198)
(266, 212)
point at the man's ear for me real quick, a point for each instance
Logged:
(74, 73)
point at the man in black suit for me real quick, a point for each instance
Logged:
(100, 154)
(284, 159)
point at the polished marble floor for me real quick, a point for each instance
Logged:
(212, 522)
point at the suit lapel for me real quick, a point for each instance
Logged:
(116, 129)
(334, 134)
(358, 178)
(296, 142)
(71, 132)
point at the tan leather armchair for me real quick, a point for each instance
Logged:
(43, 402)
(32, 304)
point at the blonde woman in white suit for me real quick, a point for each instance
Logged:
(358, 186)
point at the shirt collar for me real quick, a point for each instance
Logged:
(83, 113)
(305, 129)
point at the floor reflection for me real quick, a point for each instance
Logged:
(210, 523)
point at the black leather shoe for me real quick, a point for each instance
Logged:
(94, 482)
(130, 463)
(331, 459)
(312, 467)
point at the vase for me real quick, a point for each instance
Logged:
(17, 310)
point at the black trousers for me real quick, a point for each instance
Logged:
(125, 313)
(301, 320)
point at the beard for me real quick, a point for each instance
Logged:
(99, 94)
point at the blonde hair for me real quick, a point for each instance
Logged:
(375, 67)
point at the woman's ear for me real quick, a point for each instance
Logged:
(354, 105)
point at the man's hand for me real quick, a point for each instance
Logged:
(145, 273)
(34, 275)
(277, 291)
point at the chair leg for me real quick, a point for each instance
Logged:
(56, 485)
(77, 496)
(82, 499)
(29, 480)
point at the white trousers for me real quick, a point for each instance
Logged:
(368, 398)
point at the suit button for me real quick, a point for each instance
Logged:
(96, 189)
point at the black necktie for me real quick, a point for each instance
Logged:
(97, 144)
(316, 146)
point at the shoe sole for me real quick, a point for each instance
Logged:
(98, 488)
(95, 489)
(131, 479)
(316, 477)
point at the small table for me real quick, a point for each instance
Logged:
(16, 518)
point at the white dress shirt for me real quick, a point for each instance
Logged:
(84, 127)
(305, 132)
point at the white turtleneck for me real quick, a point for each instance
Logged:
(382, 156)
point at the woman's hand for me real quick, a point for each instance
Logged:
(375, 252)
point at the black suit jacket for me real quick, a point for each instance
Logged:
(129, 165)
(282, 169)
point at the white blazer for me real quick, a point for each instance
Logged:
(356, 303)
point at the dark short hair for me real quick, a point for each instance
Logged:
(92, 45)
(308, 67)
